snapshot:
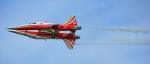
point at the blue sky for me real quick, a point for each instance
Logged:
(96, 46)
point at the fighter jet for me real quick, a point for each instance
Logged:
(70, 25)
(50, 31)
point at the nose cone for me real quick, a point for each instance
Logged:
(14, 31)
(19, 28)
(11, 28)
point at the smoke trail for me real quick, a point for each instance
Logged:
(127, 42)
(89, 44)
(118, 40)
(133, 30)
(114, 42)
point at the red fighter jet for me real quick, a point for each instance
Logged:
(70, 25)
(50, 31)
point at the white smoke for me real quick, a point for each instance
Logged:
(132, 30)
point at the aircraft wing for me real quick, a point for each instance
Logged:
(34, 35)
(69, 43)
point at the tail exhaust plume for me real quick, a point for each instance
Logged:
(132, 30)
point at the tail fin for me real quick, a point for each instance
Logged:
(71, 21)
(70, 43)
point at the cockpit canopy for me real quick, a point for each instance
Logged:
(40, 23)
